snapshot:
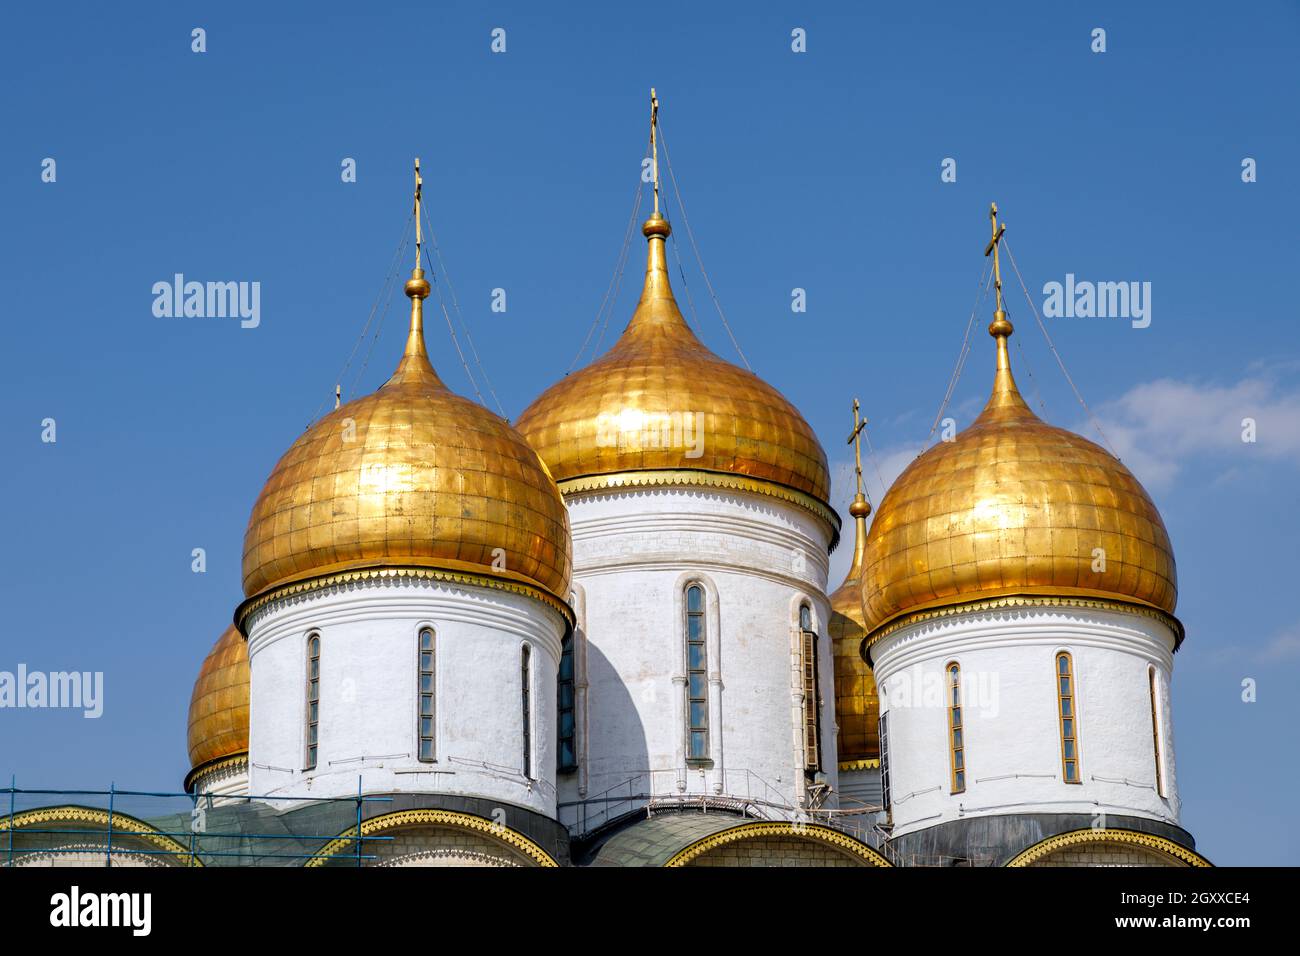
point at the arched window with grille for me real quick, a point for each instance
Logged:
(956, 733)
(1069, 711)
(697, 676)
(312, 722)
(427, 693)
(884, 761)
(811, 690)
(1153, 689)
(526, 700)
(566, 710)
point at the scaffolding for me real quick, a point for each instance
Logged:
(117, 827)
(150, 828)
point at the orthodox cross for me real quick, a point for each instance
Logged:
(654, 142)
(855, 439)
(419, 235)
(992, 248)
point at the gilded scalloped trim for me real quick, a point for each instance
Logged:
(440, 818)
(867, 764)
(1075, 837)
(254, 604)
(1024, 600)
(770, 828)
(205, 770)
(76, 814)
(706, 479)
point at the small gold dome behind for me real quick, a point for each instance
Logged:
(659, 399)
(857, 701)
(218, 721)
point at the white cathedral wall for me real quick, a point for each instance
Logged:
(369, 692)
(1011, 717)
(635, 551)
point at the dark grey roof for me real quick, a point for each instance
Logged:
(656, 840)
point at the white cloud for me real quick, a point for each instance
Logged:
(1284, 647)
(1158, 427)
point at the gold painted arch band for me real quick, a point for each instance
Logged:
(748, 831)
(122, 825)
(445, 818)
(1123, 837)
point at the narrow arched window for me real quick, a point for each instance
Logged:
(811, 691)
(1069, 712)
(956, 735)
(697, 676)
(526, 699)
(884, 760)
(427, 692)
(1155, 730)
(313, 701)
(566, 709)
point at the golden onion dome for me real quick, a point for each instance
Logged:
(857, 702)
(1014, 506)
(218, 722)
(412, 476)
(660, 402)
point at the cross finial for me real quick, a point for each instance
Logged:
(861, 507)
(417, 287)
(419, 234)
(855, 439)
(1000, 325)
(654, 142)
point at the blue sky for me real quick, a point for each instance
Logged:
(818, 170)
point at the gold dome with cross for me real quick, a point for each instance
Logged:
(411, 476)
(1014, 507)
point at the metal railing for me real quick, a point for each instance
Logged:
(737, 791)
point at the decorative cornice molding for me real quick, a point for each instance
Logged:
(1025, 601)
(122, 825)
(453, 856)
(750, 526)
(58, 856)
(684, 478)
(695, 563)
(865, 764)
(747, 831)
(391, 575)
(446, 818)
(1014, 628)
(1076, 837)
(221, 766)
